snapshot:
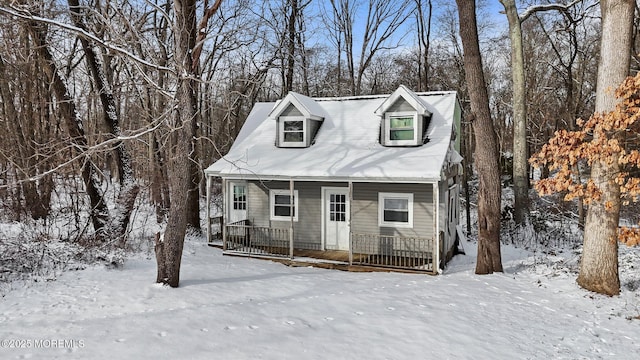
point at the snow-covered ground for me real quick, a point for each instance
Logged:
(239, 308)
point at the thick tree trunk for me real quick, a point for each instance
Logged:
(169, 253)
(489, 194)
(520, 156)
(599, 263)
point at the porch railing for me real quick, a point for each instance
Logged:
(257, 240)
(412, 253)
(392, 251)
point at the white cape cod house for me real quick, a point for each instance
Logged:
(374, 178)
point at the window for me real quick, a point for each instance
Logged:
(292, 131)
(338, 207)
(395, 209)
(281, 205)
(239, 197)
(401, 128)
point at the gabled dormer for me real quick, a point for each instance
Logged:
(298, 119)
(404, 119)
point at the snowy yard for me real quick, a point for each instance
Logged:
(237, 308)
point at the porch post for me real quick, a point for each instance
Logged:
(208, 208)
(350, 232)
(436, 227)
(291, 203)
(223, 221)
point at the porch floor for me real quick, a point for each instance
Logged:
(326, 259)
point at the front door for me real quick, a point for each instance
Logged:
(335, 218)
(237, 202)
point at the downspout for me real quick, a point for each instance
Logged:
(436, 226)
(208, 208)
(292, 204)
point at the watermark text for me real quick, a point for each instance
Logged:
(41, 344)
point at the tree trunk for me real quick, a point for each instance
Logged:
(291, 45)
(489, 193)
(599, 263)
(520, 156)
(193, 198)
(99, 210)
(169, 248)
(156, 104)
(159, 179)
(129, 189)
(424, 42)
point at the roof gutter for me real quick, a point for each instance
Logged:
(326, 178)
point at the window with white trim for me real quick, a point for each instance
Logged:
(292, 131)
(395, 209)
(282, 205)
(401, 128)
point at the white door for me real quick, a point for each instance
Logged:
(335, 218)
(237, 202)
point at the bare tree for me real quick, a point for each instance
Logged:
(29, 126)
(130, 188)
(520, 147)
(99, 211)
(382, 21)
(169, 247)
(423, 20)
(520, 165)
(486, 159)
(569, 44)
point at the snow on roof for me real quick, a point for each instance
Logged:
(308, 106)
(416, 102)
(346, 147)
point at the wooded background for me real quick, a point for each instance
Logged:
(105, 97)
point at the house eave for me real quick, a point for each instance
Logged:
(399, 180)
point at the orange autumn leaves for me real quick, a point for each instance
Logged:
(607, 138)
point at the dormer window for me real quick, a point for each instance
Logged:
(292, 131)
(298, 120)
(402, 128)
(404, 119)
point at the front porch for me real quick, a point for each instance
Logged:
(366, 252)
